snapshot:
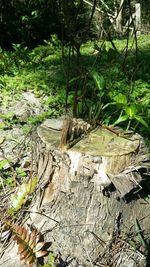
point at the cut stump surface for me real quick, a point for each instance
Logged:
(84, 193)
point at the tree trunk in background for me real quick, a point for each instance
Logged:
(138, 18)
(118, 20)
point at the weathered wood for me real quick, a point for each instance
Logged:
(117, 156)
(79, 198)
(86, 205)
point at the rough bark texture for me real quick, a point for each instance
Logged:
(89, 200)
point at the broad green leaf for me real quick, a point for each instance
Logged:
(138, 118)
(99, 80)
(121, 119)
(131, 111)
(121, 99)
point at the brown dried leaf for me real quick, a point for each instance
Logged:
(25, 255)
(27, 238)
(21, 248)
(41, 253)
(42, 164)
(39, 245)
(24, 233)
(30, 261)
(33, 239)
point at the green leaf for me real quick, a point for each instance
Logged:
(99, 80)
(51, 259)
(2, 125)
(19, 198)
(31, 185)
(131, 111)
(75, 79)
(3, 163)
(20, 172)
(121, 99)
(121, 119)
(98, 108)
(107, 105)
(139, 119)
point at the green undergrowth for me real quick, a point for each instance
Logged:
(117, 93)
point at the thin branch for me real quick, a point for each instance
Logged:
(92, 13)
(96, 8)
(110, 16)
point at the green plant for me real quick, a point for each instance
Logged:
(139, 233)
(3, 163)
(19, 198)
(20, 55)
(8, 181)
(34, 120)
(92, 100)
(105, 92)
(99, 102)
(8, 120)
(7, 176)
(20, 172)
(51, 260)
(130, 115)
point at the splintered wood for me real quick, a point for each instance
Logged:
(103, 156)
(89, 192)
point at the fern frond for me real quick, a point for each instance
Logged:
(29, 246)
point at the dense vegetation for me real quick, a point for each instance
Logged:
(112, 87)
(29, 22)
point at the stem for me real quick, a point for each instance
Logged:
(128, 126)
(121, 113)
(65, 69)
(75, 103)
(92, 14)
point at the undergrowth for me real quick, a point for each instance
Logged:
(125, 75)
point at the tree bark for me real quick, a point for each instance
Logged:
(92, 192)
(90, 202)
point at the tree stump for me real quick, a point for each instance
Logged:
(90, 203)
(92, 194)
